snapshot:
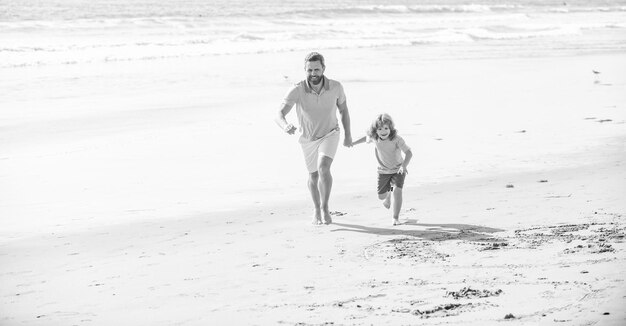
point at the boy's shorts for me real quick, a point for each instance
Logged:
(313, 149)
(386, 180)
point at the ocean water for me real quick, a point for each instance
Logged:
(66, 32)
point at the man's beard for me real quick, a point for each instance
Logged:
(315, 80)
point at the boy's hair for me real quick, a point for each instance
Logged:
(314, 56)
(382, 119)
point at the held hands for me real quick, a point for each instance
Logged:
(359, 141)
(403, 170)
(290, 129)
(347, 141)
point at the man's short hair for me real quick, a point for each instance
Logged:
(315, 56)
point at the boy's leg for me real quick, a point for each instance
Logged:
(315, 196)
(325, 185)
(397, 204)
(398, 183)
(386, 197)
(384, 187)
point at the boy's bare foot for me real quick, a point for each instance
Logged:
(387, 201)
(396, 221)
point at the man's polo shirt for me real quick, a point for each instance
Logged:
(316, 112)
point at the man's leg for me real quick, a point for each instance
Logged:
(315, 195)
(325, 185)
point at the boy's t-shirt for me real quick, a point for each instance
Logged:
(388, 154)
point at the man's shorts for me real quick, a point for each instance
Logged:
(386, 180)
(313, 149)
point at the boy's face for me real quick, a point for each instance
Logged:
(383, 132)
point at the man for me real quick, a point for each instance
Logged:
(317, 98)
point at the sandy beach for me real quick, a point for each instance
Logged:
(130, 217)
(471, 261)
(154, 188)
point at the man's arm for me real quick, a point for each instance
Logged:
(345, 121)
(282, 122)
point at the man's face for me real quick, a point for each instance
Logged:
(314, 72)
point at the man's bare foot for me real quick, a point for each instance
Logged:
(317, 218)
(396, 221)
(327, 219)
(387, 201)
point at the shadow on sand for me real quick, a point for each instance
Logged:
(433, 232)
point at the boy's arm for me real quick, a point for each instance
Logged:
(282, 122)
(407, 158)
(359, 141)
(345, 121)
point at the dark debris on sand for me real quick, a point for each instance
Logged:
(468, 293)
(595, 236)
(444, 310)
(492, 245)
(413, 249)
